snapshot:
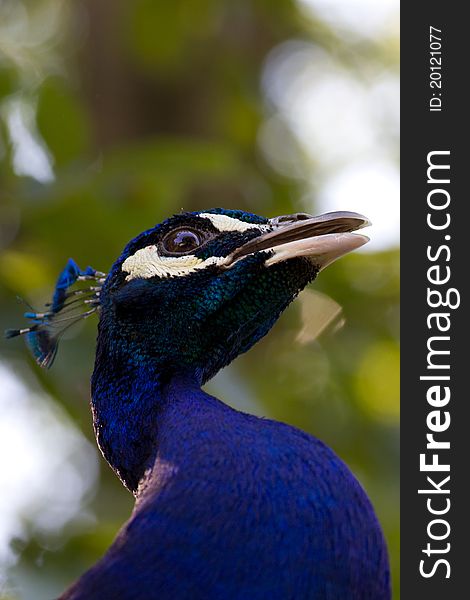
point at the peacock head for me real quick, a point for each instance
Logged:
(200, 288)
(195, 291)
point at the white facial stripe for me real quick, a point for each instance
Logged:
(146, 263)
(224, 223)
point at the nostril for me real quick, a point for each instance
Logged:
(301, 216)
(284, 219)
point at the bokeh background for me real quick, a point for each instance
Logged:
(115, 114)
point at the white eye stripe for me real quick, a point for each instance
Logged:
(224, 223)
(147, 263)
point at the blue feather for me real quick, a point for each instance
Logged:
(65, 309)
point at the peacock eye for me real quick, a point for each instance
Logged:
(181, 241)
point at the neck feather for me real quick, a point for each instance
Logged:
(141, 412)
(127, 401)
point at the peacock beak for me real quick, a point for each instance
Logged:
(323, 239)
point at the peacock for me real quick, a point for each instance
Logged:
(227, 505)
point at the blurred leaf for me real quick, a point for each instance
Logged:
(8, 81)
(319, 311)
(176, 26)
(62, 122)
(377, 382)
(24, 272)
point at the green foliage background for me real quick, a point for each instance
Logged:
(144, 108)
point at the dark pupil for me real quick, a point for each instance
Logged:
(182, 241)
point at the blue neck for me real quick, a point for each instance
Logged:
(139, 411)
(126, 404)
(194, 431)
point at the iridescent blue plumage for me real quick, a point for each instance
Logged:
(65, 309)
(228, 506)
(68, 277)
